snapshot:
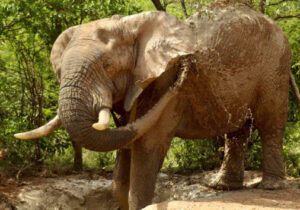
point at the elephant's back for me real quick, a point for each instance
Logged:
(240, 51)
(239, 37)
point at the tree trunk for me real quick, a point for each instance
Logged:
(158, 5)
(3, 153)
(262, 6)
(183, 8)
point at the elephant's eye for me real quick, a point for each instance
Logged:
(103, 35)
(106, 62)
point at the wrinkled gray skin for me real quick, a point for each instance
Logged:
(233, 64)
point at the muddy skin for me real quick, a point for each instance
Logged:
(231, 96)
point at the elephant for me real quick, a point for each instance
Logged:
(220, 73)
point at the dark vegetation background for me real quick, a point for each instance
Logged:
(29, 91)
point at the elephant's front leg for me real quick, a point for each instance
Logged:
(121, 178)
(147, 156)
(145, 164)
(231, 173)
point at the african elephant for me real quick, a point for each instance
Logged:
(218, 73)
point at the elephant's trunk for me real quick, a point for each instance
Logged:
(78, 122)
(78, 116)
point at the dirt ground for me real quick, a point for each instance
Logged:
(237, 200)
(92, 191)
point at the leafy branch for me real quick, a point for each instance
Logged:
(279, 2)
(287, 16)
(183, 7)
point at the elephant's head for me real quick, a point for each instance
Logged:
(112, 60)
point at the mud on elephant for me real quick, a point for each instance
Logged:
(217, 73)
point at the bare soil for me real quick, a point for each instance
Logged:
(93, 191)
(246, 199)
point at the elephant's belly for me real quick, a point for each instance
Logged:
(207, 114)
(210, 123)
(217, 100)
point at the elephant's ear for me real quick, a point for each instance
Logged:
(160, 38)
(58, 48)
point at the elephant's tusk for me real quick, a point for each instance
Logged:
(133, 113)
(44, 130)
(103, 120)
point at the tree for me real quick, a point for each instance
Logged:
(158, 5)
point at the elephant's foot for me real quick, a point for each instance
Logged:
(225, 181)
(273, 183)
(120, 193)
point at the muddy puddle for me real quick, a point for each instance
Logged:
(89, 191)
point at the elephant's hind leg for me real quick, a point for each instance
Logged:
(121, 178)
(273, 165)
(270, 120)
(231, 173)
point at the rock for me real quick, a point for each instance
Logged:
(5, 204)
(67, 194)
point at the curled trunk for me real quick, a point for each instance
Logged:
(78, 122)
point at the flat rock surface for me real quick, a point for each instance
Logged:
(236, 200)
(93, 191)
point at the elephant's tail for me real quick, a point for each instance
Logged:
(294, 86)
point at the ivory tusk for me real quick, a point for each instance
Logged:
(103, 120)
(133, 113)
(44, 130)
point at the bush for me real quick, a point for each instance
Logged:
(191, 155)
(291, 149)
(254, 153)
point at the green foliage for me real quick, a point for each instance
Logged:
(291, 149)
(254, 153)
(106, 160)
(190, 155)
